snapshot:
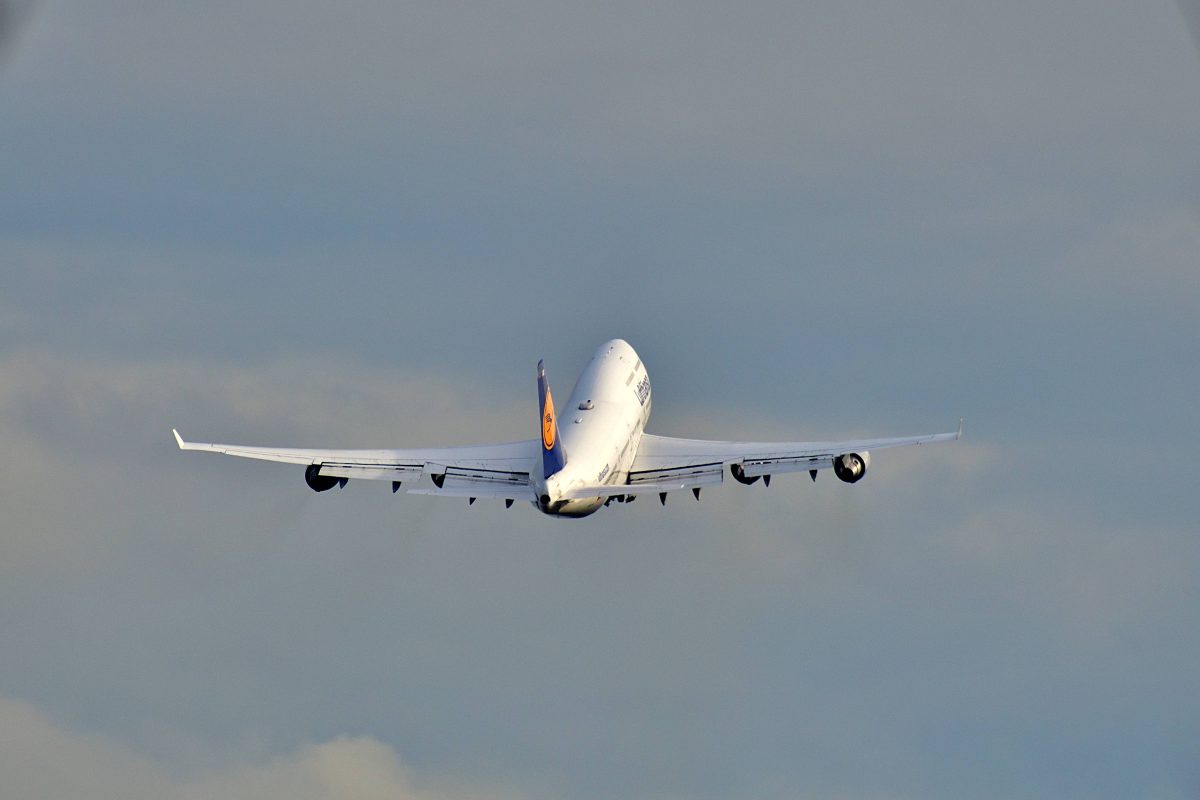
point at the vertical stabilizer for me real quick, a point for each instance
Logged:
(553, 455)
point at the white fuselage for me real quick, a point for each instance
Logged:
(600, 426)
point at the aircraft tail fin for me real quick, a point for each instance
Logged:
(553, 455)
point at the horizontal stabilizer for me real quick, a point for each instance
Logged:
(656, 487)
(456, 488)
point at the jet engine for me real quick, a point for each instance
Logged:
(851, 467)
(318, 482)
(739, 474)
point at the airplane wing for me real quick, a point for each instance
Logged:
(665, 463)
(490, 470)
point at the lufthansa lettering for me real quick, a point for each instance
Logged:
(643, 389)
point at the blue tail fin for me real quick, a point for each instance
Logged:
(553, 455)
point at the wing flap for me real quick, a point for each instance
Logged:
(381, 472)
(754, 467)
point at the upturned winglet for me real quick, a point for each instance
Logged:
(957, 434)
(178, 438)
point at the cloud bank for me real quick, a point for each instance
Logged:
(40, 758)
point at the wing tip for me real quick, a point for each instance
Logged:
(178, 439)
(958, 433)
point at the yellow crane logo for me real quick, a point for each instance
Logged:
(548, 424)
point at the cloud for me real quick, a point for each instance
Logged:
(1191, 14)
(101, 428)
(767, 632)
(12, 14)
(40, 758)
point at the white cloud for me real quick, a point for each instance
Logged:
(649, 630)
(42, 759)
(85, 435)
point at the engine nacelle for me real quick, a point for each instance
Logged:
(739, 474)
(851, 467)
(318, 482)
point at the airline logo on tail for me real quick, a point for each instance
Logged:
(549, 424)
(553, 457)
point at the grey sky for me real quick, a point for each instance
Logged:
(285, 223)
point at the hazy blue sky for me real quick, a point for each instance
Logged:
(361, 224)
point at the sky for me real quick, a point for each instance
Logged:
(361, 225)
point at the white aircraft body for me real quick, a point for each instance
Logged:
(600, 454)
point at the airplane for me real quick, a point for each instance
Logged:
(602, 455)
